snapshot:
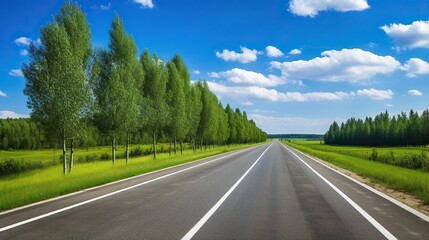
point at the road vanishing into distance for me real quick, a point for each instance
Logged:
(266, 192)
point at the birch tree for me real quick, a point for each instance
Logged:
(56, 80)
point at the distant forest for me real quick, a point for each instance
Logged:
(301, 136)
(383, 130)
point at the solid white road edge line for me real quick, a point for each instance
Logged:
(207, 216)
(112, 193)
(383, 195)
(115, 182)
(368, 217)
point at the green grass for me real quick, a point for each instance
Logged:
(21, 189)
(414, 182)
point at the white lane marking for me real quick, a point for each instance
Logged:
(111, 183)
(368, 217)
(111, 194)
(387, 197)
(207, 216)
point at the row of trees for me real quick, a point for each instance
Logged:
(69, 86)
(399, 130)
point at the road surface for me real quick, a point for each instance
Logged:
(265, 192)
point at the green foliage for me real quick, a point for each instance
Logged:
(356, 159)
(400, 130)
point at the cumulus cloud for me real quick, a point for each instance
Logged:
(196, 72)
(23, 52)
(273, 51)
(2, 94)
(415, 66)
(145, 3)
(213, 75)
(273, 125)
(273, 95)
(241, 76)
(11, 114)
(310, 8)
(350, 65)
(23, 41)
(16, 73)
(246, 55)
(415, 93)
(415, 35)
(375, 94)
(295, 51)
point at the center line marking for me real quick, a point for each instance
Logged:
(207, 216)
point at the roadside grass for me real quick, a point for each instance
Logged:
(33, 186)
(414, 182)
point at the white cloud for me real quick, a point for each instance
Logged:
(247, 103)
(312, 7)
(273, 51)
(23, 41)
(196, 72)
(16, 73)
(295, 51)
(411, 36)
(102, 7)
(279, 125)
(375, 94)
(23, 52)
(415, 66)
(10, 114)
(389, 105)
(246, 55)
(350, 65)
(145, 3)
(273, 95)
(415, 93)
(2, 94)
(241, 76)
(213, 74)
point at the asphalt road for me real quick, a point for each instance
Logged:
(265, 192)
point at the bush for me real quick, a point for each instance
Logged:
(105, 156)
(136, 152)
(12, 166)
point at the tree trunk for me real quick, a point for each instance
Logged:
(175, 149)
(181, 147)
(127, 148)
(154, 144)
(171, 140)
(64, 156)
(113, 150)
(71, 156)
(194, 145)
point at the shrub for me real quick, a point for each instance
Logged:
(12, 166)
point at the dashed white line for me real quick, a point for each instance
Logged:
(111, 194)
(207, 216)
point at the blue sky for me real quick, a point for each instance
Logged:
(294, 66)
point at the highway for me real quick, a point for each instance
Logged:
(266, 192)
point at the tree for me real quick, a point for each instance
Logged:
(116, 86)
(154, 110)
(194, 106)
(176, 101)
(56, 79)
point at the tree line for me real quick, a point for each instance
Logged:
(383, 130)
(70, 85)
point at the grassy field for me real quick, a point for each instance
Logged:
(32, 186)
(414, 182)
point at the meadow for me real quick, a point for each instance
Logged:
(48, 182)
(361, 161)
